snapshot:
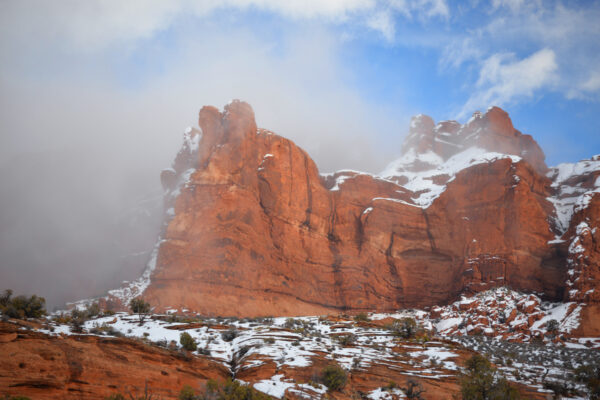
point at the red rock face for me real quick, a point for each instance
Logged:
(258, 231)
(89, 367)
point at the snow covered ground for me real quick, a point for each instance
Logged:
(492, 322)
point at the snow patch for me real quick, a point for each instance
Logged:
(571, 197)
(422, 182)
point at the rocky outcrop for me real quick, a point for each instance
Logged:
(491, 131)
(253, 229)
(577, 198)
(39, 366)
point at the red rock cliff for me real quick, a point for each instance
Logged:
(254, 229)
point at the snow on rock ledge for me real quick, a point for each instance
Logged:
(426, 183)
(574, 184)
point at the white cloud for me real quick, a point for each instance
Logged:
(336, 9)
(592, 84)
(509, 33)
(297, 90)
(95, 24)
(383, 22)
(513, 5)
(503, 79)
(460, 51)
(433, 8)
(587, 89)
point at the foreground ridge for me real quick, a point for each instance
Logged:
(284, 357)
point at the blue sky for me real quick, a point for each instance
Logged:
(341, 78)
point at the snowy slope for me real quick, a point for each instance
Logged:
(498, 321)
(572, 195)
(421, 182)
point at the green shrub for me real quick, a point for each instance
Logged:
(93, 310)
(346, 339)
(405, 328)
(589, 375)
(78, 318)
(105, 329)
(22, 307)
(334, 377)
(290, 323)
(483, 382)
(552, 326)
(187, 341)
(390, 386)
(362, 317)
(559, 388)
(413, 390)
(229, 334)
(145, 395)
(232, 390)
(187, 393)
(140, 307)
(5, 298)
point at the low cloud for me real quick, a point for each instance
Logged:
(88, 124)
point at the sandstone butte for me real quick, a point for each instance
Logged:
(253, 229)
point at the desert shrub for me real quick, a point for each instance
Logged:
(22, 307)
(559, 388)
(146, 395)
(204, 351)
(93, 310)
(104, 329)
(483, 382)
(187, 341)
(140, 307)
(7, 397)
(413, 390)
(115, 396)
(390, 386)
(269, 340)
(334, 377)
(229, 334)
(405, 328)
(231, 390)
(78, 318)
(5, 297)
(589, 375)
(362, 317)
(290, 323)
(552, 326)
(347, 339)
(187, 393)
(61, 318)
